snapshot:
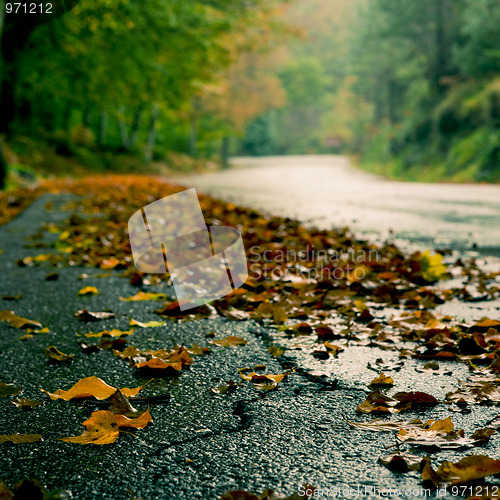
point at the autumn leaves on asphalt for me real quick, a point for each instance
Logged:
(336, 309)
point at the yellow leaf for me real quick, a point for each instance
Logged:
(88, 290)
(111, 333)
(100, 428)
(90, 387)
(144, 296)
(137, 423)
(432, 267)
(149, 324)
(16, 321)
(382, 380)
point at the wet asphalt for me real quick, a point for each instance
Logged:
(200, 444)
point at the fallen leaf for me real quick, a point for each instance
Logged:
(381, 381)
(90, 387)
(401, 462)
(333, 349)
(85, 315)
(12, 297)
(230, 341)
(55, 355)
(222, 389)
(111, 333)
(120, 404)
(275, 351)
(20, 438)
(144, 296)
(149, 324)
(9, 390)
(18, 322)
(89, 290)
(137, 423)
(101, 428)
(263, 382)
(441, 434)
(26, 403)
(470, 468)
(196, 350)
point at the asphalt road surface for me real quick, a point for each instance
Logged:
(328, 191)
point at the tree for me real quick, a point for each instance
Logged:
(16, 27)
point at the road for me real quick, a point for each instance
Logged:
(327, 191)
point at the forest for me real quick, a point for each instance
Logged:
(408, 89)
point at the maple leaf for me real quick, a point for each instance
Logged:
(18, 322)
(101, 428)
(90, 387)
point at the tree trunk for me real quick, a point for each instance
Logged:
(87, 117)
(135, 127)
(224, 152)
(103, 129)
(440, 49)
(66, 117)
(150, 146)
(123, 128)
(193, 137)
(3, 168)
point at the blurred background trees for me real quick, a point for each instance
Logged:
(412, 89)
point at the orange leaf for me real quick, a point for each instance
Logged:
(90, 387)
(100, 428)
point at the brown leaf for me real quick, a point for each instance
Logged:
(9, 390)
(333, 349)
(26, 403)
(401, 462)
(120, 404)
(55, 355)
(84, 315)
(470, 468)
(18, 322)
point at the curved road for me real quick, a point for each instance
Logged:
(327, 191)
